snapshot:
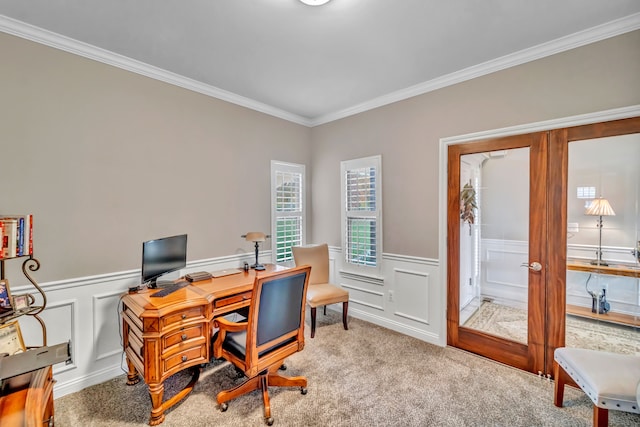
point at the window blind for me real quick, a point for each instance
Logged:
(288, 212)
(361, 211)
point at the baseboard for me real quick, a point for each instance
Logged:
(420, 334)
(62, 388)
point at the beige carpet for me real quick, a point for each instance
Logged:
(509, 322)
(367, 376)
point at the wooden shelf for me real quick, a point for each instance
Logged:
(612, 269)
(618, 318)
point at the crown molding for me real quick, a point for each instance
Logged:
(572, 41)
(581, 38)
(67, 44)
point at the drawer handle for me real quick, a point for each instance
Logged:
(184, 358)
(184, 337)
(184, 316)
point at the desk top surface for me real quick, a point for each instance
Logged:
(201, 292)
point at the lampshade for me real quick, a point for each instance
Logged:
(314, 2)
(255, 236)
(600, 207)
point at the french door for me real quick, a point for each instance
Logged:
(507, 255)
(497, 248)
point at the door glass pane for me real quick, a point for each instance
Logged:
(494, 242)
(603, 268)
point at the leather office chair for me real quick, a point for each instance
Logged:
(320, 293)
(273, 331)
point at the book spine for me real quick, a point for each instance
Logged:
(29, 238)
(20, 237)
(1, 239)
(11, 233)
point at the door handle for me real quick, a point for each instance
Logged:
(535, 266)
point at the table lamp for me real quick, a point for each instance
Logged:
(600, 207)
(256, 237)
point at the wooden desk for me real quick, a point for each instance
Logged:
(162, 336)
(612, 270)
(27, 400)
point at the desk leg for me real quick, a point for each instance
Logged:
(157, 411)
(132, 375)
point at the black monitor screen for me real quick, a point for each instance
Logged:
(162, 256)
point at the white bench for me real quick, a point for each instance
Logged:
(611, 380)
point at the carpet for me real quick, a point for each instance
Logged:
(511, 323)
(366, 376)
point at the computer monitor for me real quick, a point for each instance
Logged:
(162, 256)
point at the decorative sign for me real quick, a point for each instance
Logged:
(11, 339)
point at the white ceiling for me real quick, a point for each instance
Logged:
(312, 64)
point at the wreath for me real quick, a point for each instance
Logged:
(468, 204)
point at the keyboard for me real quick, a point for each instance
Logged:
(169, 289)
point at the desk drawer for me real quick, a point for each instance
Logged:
(186, 315)
(182, 335)
(233, 299)
(185, 358)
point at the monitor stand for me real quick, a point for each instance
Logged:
(164, 280)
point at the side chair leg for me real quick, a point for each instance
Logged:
(324, 310)
(345, 308)
(313, 322)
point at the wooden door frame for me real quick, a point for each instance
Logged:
(558, 177)
(603, 123)
(528, 356)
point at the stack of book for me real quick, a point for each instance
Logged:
(17, 235)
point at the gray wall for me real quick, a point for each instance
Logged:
(593, 78)
(105, 159)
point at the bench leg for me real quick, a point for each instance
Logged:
(600, 417)
(560, 378)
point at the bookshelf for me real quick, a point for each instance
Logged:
(17, 245)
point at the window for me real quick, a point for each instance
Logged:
(287, 209)
(362, 212)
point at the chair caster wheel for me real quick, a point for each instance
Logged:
(283, 367)
(223, 407)
(269, 421)
(303, 390)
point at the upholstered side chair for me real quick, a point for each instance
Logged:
(273, 331)
(320, 293)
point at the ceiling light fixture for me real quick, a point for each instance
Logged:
(314, 2)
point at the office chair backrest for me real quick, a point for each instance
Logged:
(317, 256)
(280, 302)
(276, 317)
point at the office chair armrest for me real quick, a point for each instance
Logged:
(225, 326)
(228, 326)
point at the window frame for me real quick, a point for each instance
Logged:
(293, 168)
(374, 162)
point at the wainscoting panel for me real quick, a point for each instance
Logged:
(405, 297)
(85, 310)
(411, 295)
(106, 325)
(502, 274)
(363, 296)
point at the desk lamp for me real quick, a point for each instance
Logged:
(256, 237)
(600, 207)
